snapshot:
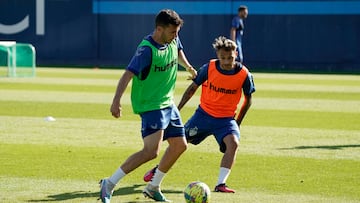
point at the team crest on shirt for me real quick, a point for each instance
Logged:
(193, 131)
(154, 126)
(139, 51)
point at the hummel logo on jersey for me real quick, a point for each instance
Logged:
(222, 90)
(165, 68)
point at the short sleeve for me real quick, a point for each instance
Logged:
(202, 75)
(249, 86)
(179, 44)
(140, 61)
(235, 23)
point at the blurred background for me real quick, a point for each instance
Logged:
(279, 36)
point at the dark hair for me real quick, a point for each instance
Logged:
(242, 8)
(224, 43)
(168, 17)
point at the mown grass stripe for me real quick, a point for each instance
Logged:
(60, 81)
(60, 97)
(280, 141)
(71, 74)
(106, 98)
(90, 73)
(275, 118)
(181, 83)
(58, 87)
(312, 81)
(300, 142)
(260, 93)
(70, 131)
(303, 119)
(72, 70)
(305, 87)
(64, 110)
(81, 72)
(307, 105)
(309, 77)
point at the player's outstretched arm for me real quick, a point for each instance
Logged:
(185, 63)
(115, 108)
(244, 108)
(190, 91)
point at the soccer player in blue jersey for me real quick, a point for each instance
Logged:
(153, 71)
(237, 30)
(223, 81)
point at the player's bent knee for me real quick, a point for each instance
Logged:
(233, 146)
(231, 143)
(150, 154)
(183, 147)
(178, 147)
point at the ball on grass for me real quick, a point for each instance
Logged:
(197, 192)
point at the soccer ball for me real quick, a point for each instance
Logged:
(197, 192)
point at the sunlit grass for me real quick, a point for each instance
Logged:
(299, 142)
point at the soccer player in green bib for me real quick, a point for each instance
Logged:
(153, 70)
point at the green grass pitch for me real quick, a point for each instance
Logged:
(300, 141)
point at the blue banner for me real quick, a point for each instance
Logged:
(279, 35)
(229, 7)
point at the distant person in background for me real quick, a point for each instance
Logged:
(237, 30)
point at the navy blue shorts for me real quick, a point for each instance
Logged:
(167, 119)
(201, 125)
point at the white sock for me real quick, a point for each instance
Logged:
(116, 177)
(158, 177)
(223, 175)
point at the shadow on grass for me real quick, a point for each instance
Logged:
(330, 147)
(135, 189)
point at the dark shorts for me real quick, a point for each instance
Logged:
(201, 125)
(167, 119)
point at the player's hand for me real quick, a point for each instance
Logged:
(115, 110)
(193, 73)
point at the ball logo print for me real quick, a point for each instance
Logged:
(24, 23)
(197, 192)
